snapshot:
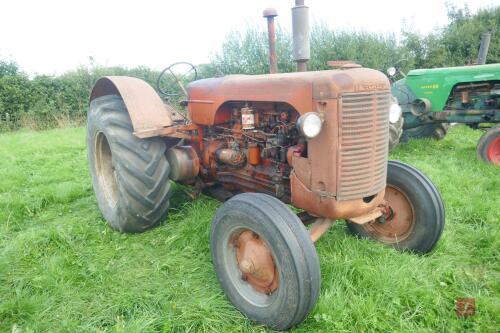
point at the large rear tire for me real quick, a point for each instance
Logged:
(488, 146)
(129, 175)
(265, 260)
(416, 218)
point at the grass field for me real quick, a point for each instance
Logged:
(62, 269)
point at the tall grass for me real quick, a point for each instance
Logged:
(62, 269)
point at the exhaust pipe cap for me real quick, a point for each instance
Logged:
(270, 12)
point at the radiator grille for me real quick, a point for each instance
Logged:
(363, 149)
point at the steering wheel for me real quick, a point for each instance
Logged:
(395, 70)
(169, 92)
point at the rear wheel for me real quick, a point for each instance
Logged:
(129, 175)
(436, 131)
(265, 260)
(415, 219)
(488, 147)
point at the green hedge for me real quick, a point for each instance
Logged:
(48, 101)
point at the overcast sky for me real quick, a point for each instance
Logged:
(53, 36)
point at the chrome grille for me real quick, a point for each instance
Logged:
(363, 144)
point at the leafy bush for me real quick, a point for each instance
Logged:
(53, 101)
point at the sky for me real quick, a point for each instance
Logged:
(53, 36)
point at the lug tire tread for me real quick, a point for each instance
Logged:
(141, 168)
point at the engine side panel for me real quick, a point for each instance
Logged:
(207, 96)
(254, 146)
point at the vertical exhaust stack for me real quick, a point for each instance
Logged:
(300, 28)
(483, 48)
(270, 14)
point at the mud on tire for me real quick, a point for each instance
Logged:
(129, 175)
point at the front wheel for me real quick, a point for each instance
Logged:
(395, 131)
(415, 218)
(488, 147)
(265, 260)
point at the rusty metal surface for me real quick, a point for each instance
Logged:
(270, 14)
(319, 227)
(374, 214)
(363, 148)
(299, 90)
(256, 262)
(146, 109)
(235, 158)
(187, 131)
(184, 163)
(253, 154)
(343, 64)
(328, 206)
(317, 182)
(398, 223)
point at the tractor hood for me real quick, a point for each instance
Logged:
(480, 72)
(300, 90)
(436, 84)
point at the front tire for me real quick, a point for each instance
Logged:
(265, 260)
(435, 131)
(488, 146)
(416, 218)
(395, 131)
(129, 175)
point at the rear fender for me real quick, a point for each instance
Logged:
(146, 109)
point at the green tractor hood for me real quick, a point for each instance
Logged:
(436, 84)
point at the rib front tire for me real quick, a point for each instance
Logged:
(265, 260)
(416, 219)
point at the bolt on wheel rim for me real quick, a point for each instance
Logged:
(493, 151)
(396, 226)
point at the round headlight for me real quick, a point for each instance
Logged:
(391, 71)
(394, 113)
(310, 124)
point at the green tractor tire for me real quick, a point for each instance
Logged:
(435, 131)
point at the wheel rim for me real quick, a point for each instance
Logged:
(256, 262)
(251, 267)
(493, 151)
(398, 223)
(104, 168)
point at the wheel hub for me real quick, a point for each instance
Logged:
(256, 262)
(398, 220)
(493, 151)
(105, 169)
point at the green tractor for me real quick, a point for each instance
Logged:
(431, 99)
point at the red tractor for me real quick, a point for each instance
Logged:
(259, 143)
